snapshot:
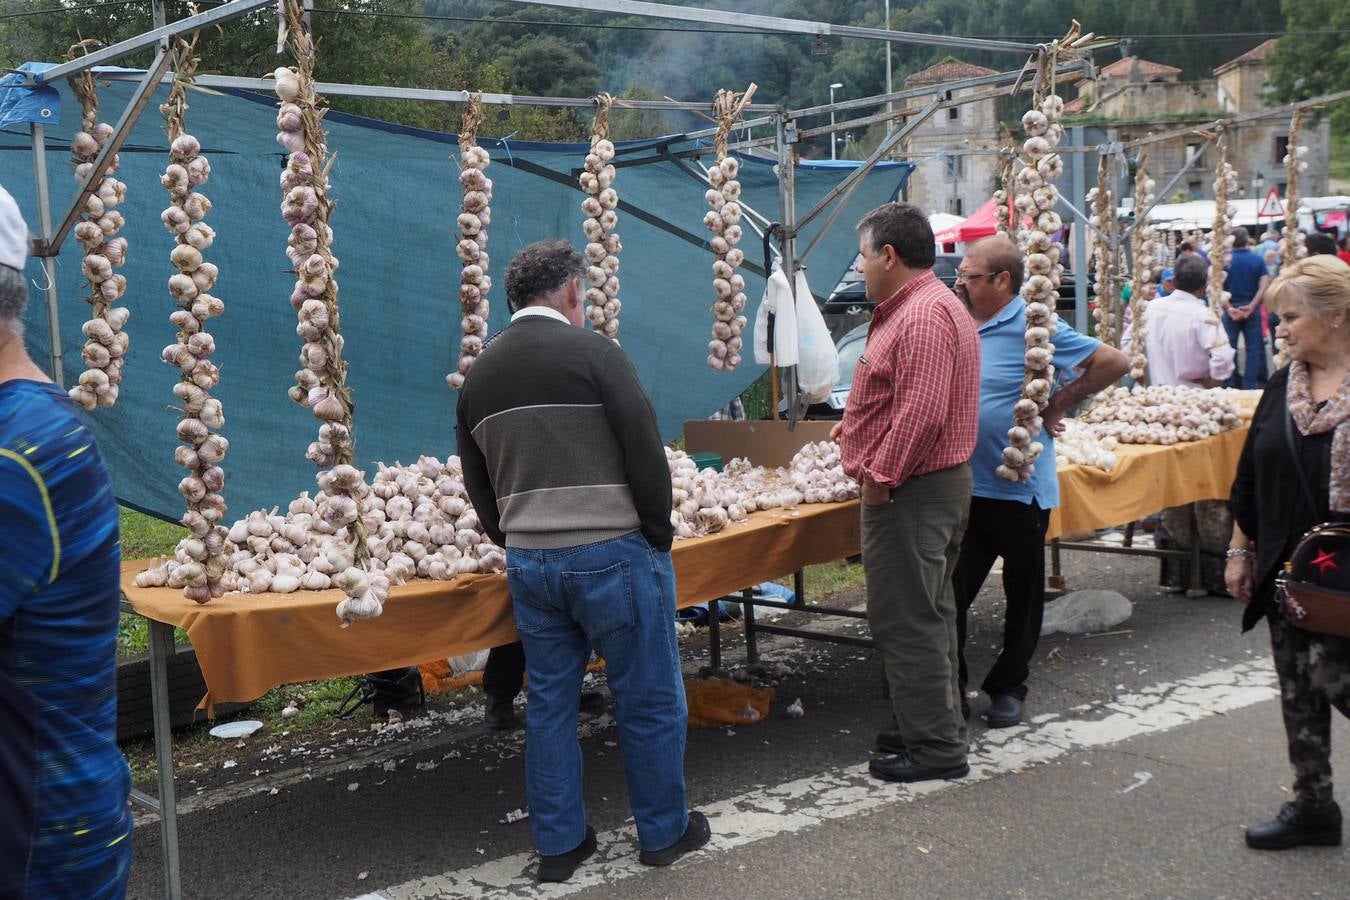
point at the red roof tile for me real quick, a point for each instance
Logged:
(1255, 55)
(951, 70)
(1122, 68)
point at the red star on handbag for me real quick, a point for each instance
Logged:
(1324, 560)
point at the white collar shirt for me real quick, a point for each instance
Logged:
(1184, 342)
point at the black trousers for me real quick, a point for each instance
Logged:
(1016, 532)
(504, 673)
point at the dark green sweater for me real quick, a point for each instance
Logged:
(559, 442)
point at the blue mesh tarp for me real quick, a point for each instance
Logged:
(397, 195)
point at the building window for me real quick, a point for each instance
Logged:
(1194, 188)
(955, 168)
(1195, 152)
(954, 206)
(1284, 188)
(1281, 150)
(954, 114)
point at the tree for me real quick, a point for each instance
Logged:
(1309, 65)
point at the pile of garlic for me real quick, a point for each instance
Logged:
(722, 220)
(105, 342)
(602, 241)
(1221, 237)
(1078, 445)
(700, 505)
(1145, 256)
(817, 471)
(1037, 198)
(474, 281)
(419, 522)
(1160, 414)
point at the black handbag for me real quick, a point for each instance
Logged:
(1314, 586)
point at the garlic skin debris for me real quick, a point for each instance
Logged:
(203, 448)
(1160, 414)
(1144, 238)
(106, 343)
(1036, 198)
(476, 215)
(320, 383)
(602, 241)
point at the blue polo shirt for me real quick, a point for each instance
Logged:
(1003, 348)
(1245, 271)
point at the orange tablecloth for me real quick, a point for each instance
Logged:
(1146, 480)
(247, 644)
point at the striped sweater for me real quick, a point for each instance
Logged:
(559, 442)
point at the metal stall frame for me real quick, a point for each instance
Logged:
(786, 133)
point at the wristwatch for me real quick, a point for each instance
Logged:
(1238, 553)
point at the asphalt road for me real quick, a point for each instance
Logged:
(1144, 754)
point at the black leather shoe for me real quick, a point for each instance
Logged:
(696, 834)
(499, 713)
(1005, 711)
(890, 742)
(1298, 826)
(592, 702)
(903, 767)
(561, 866)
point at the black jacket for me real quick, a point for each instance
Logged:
(1268, 500)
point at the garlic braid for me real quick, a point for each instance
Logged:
(602, 241)
(1221, 236)
(1037, 197)
(723, 221)
(105, 342)
(1004, 222)
(1104, 217)
(1145, 258)
(474, 218)
(202, 557)
(1293, 245)
(320, 385)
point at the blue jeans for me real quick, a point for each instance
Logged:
(618, 597)
(1250, 329)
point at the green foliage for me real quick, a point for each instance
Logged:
(1310, 65)
(145, 536)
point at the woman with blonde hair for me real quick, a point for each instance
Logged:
(1300, 435)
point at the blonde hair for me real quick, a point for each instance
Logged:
(1320, 282)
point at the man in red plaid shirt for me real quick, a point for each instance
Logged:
(907, 433)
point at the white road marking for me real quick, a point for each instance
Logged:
(847, 791)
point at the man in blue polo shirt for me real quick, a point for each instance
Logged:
(1009, 518)
(1246, 281)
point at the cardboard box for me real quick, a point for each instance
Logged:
(763, 442)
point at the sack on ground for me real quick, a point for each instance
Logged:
(714, 702)
(1083, 612)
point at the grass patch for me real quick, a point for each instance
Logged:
(145, 536)
(828, 580)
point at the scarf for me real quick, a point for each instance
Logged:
(1334, 414)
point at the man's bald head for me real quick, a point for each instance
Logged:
(998, 254)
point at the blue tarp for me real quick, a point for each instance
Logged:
(397, 196)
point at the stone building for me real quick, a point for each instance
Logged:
(1136, 97)
(951, 177)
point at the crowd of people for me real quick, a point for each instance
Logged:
(564, 462)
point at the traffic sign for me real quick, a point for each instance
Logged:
(1272, 207)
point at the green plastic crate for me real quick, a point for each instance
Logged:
(707, 461)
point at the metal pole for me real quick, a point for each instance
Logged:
(1078, 188)
(890, 104)
(787, 202)
(161, 648)
(44, 202)
(833, 133)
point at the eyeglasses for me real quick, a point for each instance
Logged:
(971, 276)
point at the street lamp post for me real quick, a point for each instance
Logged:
(833, 136)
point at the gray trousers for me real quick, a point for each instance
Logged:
(909, 549)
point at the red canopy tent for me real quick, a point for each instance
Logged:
(980, 224)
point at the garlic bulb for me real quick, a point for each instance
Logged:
(105, 342)
(474, 282)
(1037, 197)
(1145, 253)
(1160, 414)
(602, 241)
(321, 382)
(1080, 446)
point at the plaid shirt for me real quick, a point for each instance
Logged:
(914, 406)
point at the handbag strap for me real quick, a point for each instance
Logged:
(1298, 464)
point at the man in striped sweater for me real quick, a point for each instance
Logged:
(565, 466)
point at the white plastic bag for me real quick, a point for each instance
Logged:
(777, 300)
(1083, 612)
(817, 357)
